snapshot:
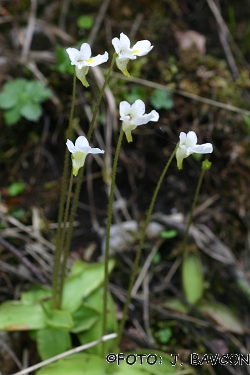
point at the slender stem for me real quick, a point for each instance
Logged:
(80, 174)
(64, 262)
(184, 242)
(91, 126)
(58, 251)
(109, 220)
(138, 255)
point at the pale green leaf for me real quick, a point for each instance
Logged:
(79, 284)
(15, 189)
(36, 293)
(7, 100)
(223, 316)
(12, 116)
(85, 22)
(175, 304)
(52, 341)
(37, 91)
(84, 318)
(192, 278)
(31, 111)
(15, 87)
(161, 99)
(16, 316)
(60, 319)
(95, 300)
(76, 364)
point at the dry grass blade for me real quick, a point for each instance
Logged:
(183, 93)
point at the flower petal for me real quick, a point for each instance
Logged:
(96, 151)
(85, 51)
(191, 139)
(182, 137)
(116, 44)
(80, 143)
(125, 42)
(97, 60)
(70, 146)
(74, 55)
(124, 108)
(141, 48)
(152, 116)
(138, 108)
(206, 148)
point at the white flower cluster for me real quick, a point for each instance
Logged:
(131, 115)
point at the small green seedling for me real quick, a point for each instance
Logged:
(22, 98)
(15, 189)
(161, 99)
(137, 92)
(85, 22)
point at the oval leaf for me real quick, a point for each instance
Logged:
(95, 300)
(81, 283)
(52, 341)
(15, 316)
(175, 304)
(223, 316)
(192, 278)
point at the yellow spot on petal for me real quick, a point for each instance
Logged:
(90, 61)
(135, 52)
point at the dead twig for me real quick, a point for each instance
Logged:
(8, 268)
(24, 260)
(186, 94)
(30, 31)
(146, 266)
(224, 35)
(98, 21)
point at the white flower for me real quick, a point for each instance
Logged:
(188, 145)
(125, 53)
(82, 60)
(79, 152)
(134, 115)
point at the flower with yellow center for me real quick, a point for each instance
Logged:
(134, 115)
(125, 53)
(188, 145)
(79, 152)
(82, 60)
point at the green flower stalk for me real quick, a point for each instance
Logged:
(138, 254)
(78, 158)
(206, 165)
(58, 251)
(107, 244)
